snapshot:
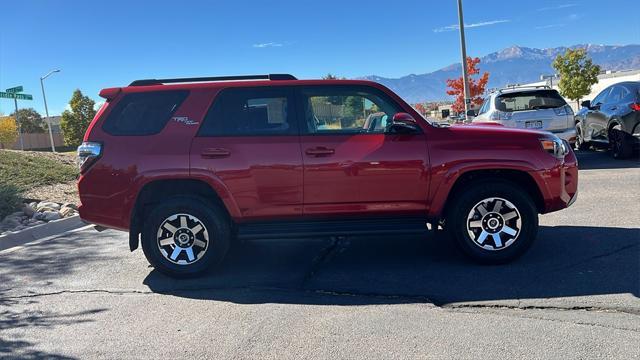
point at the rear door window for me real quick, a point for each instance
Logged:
(143, 113)
(251, 112)
(529, 100)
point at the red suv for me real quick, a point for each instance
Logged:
(187, 166)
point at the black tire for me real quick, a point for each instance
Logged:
(620, 143)
(194, 211)
(488, 251)
(581, 144)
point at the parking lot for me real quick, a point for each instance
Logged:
(574, 295)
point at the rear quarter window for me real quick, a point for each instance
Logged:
(144, 113)
(529, 100)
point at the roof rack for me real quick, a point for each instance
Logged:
(518, 86)
(145, 82)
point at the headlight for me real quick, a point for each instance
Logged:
(555, 147)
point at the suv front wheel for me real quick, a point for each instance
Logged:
(493, 222)
(183, 236)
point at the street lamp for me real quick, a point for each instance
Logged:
(465, 73)
(46, 110)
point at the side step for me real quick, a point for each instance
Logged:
(351, 227)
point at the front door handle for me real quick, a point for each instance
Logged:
(320, 151)
(215, 153)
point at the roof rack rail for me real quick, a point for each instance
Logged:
(518, 86)
(144, 82)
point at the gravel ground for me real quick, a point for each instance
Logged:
(60, 193)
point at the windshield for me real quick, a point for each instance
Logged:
(529, 100)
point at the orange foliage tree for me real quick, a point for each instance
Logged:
(476, 86)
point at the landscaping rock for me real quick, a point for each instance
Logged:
(70, 205)
(28, 210)
(51, 215)
(47, 206)
(66, 211)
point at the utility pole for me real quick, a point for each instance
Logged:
(46, 110)
(465, 73)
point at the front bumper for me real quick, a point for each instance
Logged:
(562, 184)
(569, 135)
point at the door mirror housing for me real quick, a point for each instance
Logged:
(404, 118)
(586, 104)
(402, 123)
(471, 113)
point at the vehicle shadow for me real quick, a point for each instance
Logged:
(565, 261)
(601, 159)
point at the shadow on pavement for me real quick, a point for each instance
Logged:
(15, 347)
(601, 159)
(565, 261)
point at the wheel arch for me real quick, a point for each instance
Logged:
(518, 178)
(155, 191)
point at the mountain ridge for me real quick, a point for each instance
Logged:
(514, 64)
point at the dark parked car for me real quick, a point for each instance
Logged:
(612, 118)
(189, 165)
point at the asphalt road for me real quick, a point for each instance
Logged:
(574, 295)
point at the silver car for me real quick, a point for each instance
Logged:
(539, 107)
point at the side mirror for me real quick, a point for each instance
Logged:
(402, 123)
(403, 118)
(586, 104)
(471, 113)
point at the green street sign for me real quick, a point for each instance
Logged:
(14, 90)
(9, 95)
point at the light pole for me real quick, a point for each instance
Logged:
(46, 109)
(465, 73)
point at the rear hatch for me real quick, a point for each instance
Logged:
(541, 109)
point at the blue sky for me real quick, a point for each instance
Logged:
(101, 44)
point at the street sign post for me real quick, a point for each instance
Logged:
(14, 93)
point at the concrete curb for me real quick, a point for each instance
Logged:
(55, 227)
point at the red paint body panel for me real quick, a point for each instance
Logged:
(260, 178)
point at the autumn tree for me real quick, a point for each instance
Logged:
(8, 131)
(476, 86)
(75, 122)
(577, 73)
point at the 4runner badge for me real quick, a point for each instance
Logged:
(184, 120)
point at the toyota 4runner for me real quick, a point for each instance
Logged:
(187, 166)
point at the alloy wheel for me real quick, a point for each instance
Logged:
(494, 224)
(182, 239)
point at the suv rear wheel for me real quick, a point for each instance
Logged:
(493, 222)
(183, 236)
(620, 143)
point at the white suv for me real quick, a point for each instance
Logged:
(540, 108)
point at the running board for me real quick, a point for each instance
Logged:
(351, 227)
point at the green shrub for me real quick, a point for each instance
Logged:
(10, 200)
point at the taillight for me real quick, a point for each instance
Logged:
(635, 107)
(563, 110)
(88, 153)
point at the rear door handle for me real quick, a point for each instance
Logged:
(320, 151)
(215, 153)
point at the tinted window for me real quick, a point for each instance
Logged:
(616, 94)
(143, 113)
(529, 100)
(250, 111)
(346, 110)
(601, 97)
